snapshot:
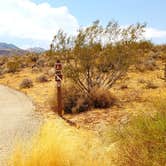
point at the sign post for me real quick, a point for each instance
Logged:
(58, 79)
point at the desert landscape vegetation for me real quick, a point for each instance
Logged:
(114, 93)
(82, 83)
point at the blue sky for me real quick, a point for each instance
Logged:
(29, 23)
(125, 11)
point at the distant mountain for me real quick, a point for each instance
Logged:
(10, 49)
(7, 46)
(36, 50)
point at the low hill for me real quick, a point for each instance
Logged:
(7, 46)
(10, 49)
(36, 50)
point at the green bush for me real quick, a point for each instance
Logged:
(142, 141)
(12, 66)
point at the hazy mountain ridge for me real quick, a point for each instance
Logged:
(7, 46)
(36, 49)
(11, 49)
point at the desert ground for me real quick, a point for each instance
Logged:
(17, 120)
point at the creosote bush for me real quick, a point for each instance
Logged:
(12, 66)
(42, 78)
(26, 83)
(75, 101)
(98, 56)
(102, 98)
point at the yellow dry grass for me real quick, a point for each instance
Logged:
(135, 97)
(59, 144)
(39, 93)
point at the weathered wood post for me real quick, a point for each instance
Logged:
(58, 79)
(165, 71)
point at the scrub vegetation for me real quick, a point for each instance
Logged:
(113, 92)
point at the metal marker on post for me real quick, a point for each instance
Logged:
(58, 79)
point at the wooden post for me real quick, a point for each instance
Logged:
(58, 79)
(165, 71)
(59, 98)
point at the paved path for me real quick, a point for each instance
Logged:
(17, 120)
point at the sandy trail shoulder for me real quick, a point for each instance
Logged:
(17, 119)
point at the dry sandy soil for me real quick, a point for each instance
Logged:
(132, 93)
(17, 120)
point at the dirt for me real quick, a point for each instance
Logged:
(17, 120)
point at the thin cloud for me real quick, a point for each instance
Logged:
(152, 33)
(27, 20)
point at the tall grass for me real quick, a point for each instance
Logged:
(143, 142)
(140, 142)
(59, 144)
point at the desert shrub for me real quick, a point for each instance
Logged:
(131, 95)
(141, 142)
(150, 64)
(155, 55)
(12, 66)
(23, 65)
(146, 63)
(33, 57)
(159, 102)
(140, 67)
(36, 69)
(3, 60)
(90, 64)
(2, 71)
(42, 78)
(51, 72)
(40, 63)
(2, 76)
(26, 83)
(102, 98)
(51, 63)
(151, 85)
(75, 101)
(141, 81)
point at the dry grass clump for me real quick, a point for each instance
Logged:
(151, 85)
(75, 101)
(26, 83)
(131, 95)
(42, 78)
(102, 98)
(142, 141)
(159, 102)
(141, 81)
(59, 144)
(12, 66)
(148, 63)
